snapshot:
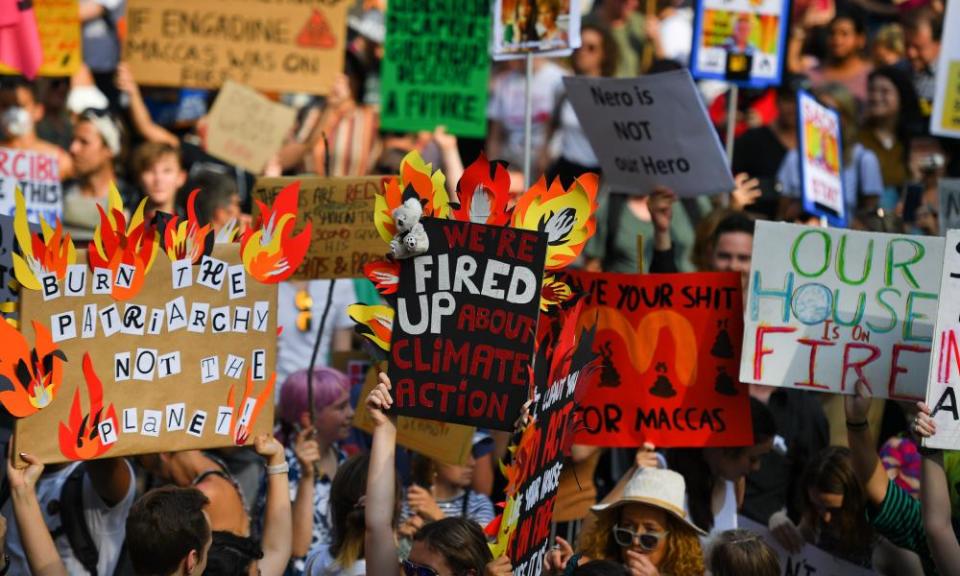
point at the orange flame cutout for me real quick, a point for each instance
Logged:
(553, 293)
(241, 426)
(187, 240)
(566, 216)
(49, 254)
(116, 244)
(417, 180)
(270, 251)
(385, 275)
(483, 193)
(375, 323)
(32, 376)
(80, 437)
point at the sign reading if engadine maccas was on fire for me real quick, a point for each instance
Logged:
(827, 308)
(651, 131)
(466, 320)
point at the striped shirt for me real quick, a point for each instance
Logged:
(479, 508)
(900, 521)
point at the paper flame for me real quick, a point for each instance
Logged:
(375, 323)
(241, 429)
(565, 215)
(553, 292)
(117, 244)
(34, 375)
(271, 252)
(50, 253)
(483, 193)
(417, 180)
(188, 239)
(80, 436)
(385, 275)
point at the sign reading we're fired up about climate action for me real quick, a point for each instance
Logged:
(465, 324)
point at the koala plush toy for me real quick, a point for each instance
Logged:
(411, 239)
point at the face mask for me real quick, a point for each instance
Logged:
(15, 121)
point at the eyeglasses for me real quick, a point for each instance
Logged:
(304, 303)
(412, 569)
(648, 541)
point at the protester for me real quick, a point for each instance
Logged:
(20, 114)
(845, 63)
(736, 552)
(157, 169)
(934, 493)
(217, 204)
(42, 556)
(923, 29)
(169, 532)
(629, 29)
(445, 490)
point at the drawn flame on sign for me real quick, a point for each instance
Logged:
(375, 323)
(244, 423)
(187, 239)
(80, 435)
(417, 180)
(565, 215)
(117, 246)
(50, 253)
(32, 376)
(483, 193)
(270, 251)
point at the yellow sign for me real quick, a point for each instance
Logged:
(951, 104)
(59, 24)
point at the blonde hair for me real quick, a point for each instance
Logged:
(891, 38)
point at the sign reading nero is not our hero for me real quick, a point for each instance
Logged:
(829, 307)
(436, 67)
(949, 204)
(140, 375)
(271, 45)
(670, 348)
(820, 159)
(651, 131)
(466, 319)
(38, 177)
(58, 22)
(944, 375)
(341, 210)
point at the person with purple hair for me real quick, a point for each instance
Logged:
(313, 452)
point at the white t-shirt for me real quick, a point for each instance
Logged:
(676, 35)
(107, 525)
(575, 146)
(506, 106)
(726, 518)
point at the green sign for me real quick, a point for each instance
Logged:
(436, 66)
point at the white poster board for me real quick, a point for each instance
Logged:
(38, 177)
(945, 358)
(945, 119)
(821, 165)
(828, 307)
(810, 560)
(949, 194)
(651, 131)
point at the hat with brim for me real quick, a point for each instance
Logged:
(661, 489)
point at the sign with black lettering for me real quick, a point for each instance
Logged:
(670, 349)
(466, 319)
(651, 131)
(37, 176)
(809, 561)
(436, 67)
(949, 204)
(945, 357)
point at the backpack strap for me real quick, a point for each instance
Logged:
(73, 523)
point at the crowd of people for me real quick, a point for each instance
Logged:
(318, 497)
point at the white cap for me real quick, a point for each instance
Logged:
(83, 98)
(663, 489)
(369, 25)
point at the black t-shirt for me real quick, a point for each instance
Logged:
(759, 153)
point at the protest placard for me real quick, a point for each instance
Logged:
(829, 307)
(949, 194)
(341, 209)
(820, 159)
(245, 128)
(276, 46)
(58, 22)
(651, 131)
(354, 364)
(522, 27)
(809, 561)
(8, 296)
(670, 347)
(436, 67)
(442, 441)
(466, 319)
(38, 178)
(740, 41)
(945, 358)
(945, 119)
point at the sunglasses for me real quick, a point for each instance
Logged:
(648, 541)
(304, 303)
(411, 569)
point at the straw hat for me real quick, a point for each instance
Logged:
(663, 489)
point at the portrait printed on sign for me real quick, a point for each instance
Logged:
(538, 26)
(820, 159)
(741, 41)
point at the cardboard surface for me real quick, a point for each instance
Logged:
(246, 129)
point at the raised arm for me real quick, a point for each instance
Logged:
(142, 121)
(381, 548)
(866, 462)
(37, 543)
(278, 520)
(308, 454)
(935, 502)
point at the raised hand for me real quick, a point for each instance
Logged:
(379, 400)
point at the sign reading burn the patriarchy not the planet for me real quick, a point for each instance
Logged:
(465, 324)
(827, 308)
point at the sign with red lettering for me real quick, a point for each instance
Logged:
(38, 177)
(945, 360)
(466, 319)
(670, 347)
(829, 307)
(820, 154)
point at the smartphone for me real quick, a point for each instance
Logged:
(912, 196)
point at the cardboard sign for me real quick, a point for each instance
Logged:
(949, 193)
(141, 375)
(945, 358)
(670, 347)
(740, 41)
(275, 46)
(945, 119)
(829, 307)
(466, 319)
(38, 177)
(809, 561)
(531, 26)
(58, 22)
(436, 67)
(651, 131)
(448, 443)
(354, 364)
(344, 236)
(820, 159)
(246, 129)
